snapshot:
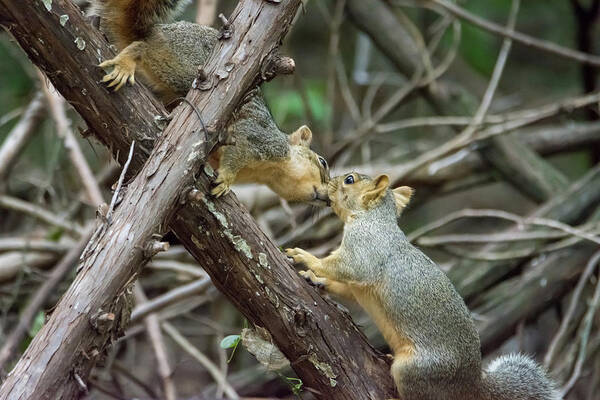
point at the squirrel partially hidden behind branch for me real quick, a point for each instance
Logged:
(415, 306)
(167, 57)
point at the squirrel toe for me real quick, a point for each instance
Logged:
(122, 72)
(220, 190)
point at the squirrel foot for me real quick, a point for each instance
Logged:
(301, 256)
(224, 182)
(123, 71)
(220, 190)
(314, 280)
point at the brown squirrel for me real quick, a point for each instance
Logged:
(415, 306)
(167, 57)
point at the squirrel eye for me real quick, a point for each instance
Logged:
(323, 162)
(349, 180)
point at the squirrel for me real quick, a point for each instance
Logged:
(435, 344)
(167, 56)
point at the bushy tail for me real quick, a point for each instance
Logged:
(131, 20)
(517, 377)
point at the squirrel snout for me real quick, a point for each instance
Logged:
(321, 197)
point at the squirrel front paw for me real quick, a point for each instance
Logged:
(220, 190)
(224, 182)
(302, 257)
(123, 71)
(314, 280)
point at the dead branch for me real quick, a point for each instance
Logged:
(40, 213)
(160, 350)
(471, 278)
(20, 134)
(536, 177)
(517, 36)
(63, 129)
(39, 298)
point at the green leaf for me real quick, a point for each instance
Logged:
(55, 234)
(38, 322)
(230, 341)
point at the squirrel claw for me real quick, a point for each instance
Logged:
(220, 190)
(311, 278)
(300, 256)
(123, 72)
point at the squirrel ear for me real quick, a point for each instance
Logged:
(380, 183)
(302, 136)
(402, 196)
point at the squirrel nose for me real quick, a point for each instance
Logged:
(322, 197)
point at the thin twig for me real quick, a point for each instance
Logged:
(101, 388)
(417, 81)
(466, 136)
(63, 129)
(12, 114)
(113, 201)
(441, 240)
(26, 244)
(19, 135)
(125, 371)
(212, 369)
(40, 213)
(496, 74)
(12, 263)
(160, 350)
(586, 328)
(334, 39)
(566, 321)
(176, 266)
(346, 92)
(173, 296)
(517, 36)
(486, 213)
(39, 298)
(462, 141)
(206, 10)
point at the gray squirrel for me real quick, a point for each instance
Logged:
(424, 320)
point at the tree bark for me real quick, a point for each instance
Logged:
(323, 345)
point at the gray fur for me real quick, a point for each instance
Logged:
(253, 128)
(516, 376)
(191, 45)
(424, 304)
(256, 135)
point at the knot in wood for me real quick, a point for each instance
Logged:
(194, 196)
(102, 321)
(226, 29)
(154, 247)
(202, 81)
(300, 321)
(275, 64)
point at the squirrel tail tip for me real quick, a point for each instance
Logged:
(517, 377)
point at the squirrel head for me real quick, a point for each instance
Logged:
(305, 175)
(354, 193)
